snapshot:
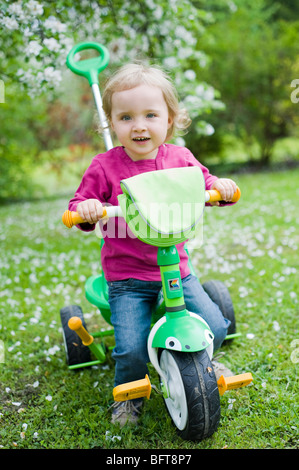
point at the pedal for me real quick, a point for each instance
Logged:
(235, 381)
(131, 390)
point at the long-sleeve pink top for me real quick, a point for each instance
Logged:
(122, 255)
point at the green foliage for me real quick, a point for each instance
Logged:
(232, 64)
(35, 39)
(254, 62)
(19, 146)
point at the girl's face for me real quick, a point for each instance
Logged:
(140, 119)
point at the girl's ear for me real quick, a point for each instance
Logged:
(170, 121)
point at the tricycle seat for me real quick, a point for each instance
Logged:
(97, 294)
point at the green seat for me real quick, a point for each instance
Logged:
(97, 294)
(164, 207)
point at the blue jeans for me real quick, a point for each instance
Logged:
(131, 302)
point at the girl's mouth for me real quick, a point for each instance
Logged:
(140, 139)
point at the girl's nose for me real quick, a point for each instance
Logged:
(139, 125)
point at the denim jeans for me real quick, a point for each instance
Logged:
(131, 302)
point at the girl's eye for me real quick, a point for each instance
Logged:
(151, 115)
(126, 117)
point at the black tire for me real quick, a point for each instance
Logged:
(218, 292)
(194, 403)
(76, 352)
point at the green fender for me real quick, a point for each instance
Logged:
(185, 332)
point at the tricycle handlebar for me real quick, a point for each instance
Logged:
(212, 195)
(70, 218)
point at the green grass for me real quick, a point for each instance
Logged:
(252, 247)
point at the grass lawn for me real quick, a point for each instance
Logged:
(252, 247)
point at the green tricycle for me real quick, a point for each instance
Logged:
(180, 343)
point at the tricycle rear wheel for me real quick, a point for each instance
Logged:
(218, 292)
(76, 352)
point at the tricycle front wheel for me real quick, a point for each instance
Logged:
(193, 402)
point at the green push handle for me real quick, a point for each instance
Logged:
(88, 68)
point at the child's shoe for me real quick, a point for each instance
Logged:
(126, 411)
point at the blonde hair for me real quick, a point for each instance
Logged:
(131, 75)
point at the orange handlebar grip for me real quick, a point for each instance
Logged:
(70, 218)
(75, 324)
(215, 195)
(237, 195)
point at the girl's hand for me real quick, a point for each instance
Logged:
(226, 188)
(90, 210)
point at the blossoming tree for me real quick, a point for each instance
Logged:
(36, 37)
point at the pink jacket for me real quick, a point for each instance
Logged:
(124, 256)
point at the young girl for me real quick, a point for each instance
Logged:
(142, 108)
